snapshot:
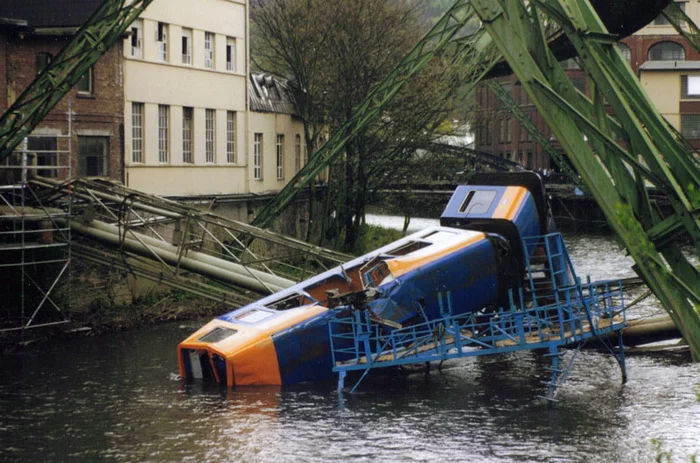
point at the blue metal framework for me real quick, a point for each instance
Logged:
(567, 313)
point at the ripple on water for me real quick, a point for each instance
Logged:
(114, 398)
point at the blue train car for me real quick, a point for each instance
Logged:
(284, 339)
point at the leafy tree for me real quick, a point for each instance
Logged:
(335, 53)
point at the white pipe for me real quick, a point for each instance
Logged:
(240, 278)
(200, 256)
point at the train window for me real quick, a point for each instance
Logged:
(253, 316)
(438, 236)
(408, 248)
(478, 202)
(217, 334)
(291, 301)
(378, 275)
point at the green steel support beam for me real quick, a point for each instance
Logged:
(683, 24)
(617, 176)
(105, 27)
(475, 52)
(584, 132)
(532, 129)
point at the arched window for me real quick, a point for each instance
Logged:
(666, 51)
(625, 50)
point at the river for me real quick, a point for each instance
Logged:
(118, 398)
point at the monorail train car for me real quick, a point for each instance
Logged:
(476, 254)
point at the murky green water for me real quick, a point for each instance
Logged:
(118, 398)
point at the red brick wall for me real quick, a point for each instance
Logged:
(488, 109)
(640, 45)
(101, 114)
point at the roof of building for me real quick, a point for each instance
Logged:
(670, 66)
(49, 13)
(269, 94)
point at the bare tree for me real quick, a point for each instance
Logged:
(335, 53)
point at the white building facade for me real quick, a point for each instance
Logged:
(186, 98)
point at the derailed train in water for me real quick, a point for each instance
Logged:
(476, 254)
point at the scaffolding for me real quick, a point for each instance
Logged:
(35, 239)
(181, 246)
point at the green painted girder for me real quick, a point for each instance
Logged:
(474, 52)
(617, 177)
(104, 28)
(536, 134)
(683, 24)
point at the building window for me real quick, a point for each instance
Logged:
(667, 51)
(187, 131)
(85, 83)
(230, 54)
(231, 137)
(42, 60)
(257, 156)
(136, 132)
(509, 130)
(625, 51)
(507, 88)
(690, 87)
(209, 135)
(163, 129)
(187, 46)
(137, 39)
(501, 130)
(92, 156)
(522, 132)
(579, 83)
(661, 19)
(522, 94)
(487, 133)
(297, 153)
(690, 125)
(162, 42)
(280, 157)
(45, 149)
(306, 154)
(209, 50)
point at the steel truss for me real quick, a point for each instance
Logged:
(104, 28)
(168, 242)
(35, 240)
(618, 175)
(473, 53)
(534, 131)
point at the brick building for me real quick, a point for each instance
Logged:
(668, 68)
(31, 34)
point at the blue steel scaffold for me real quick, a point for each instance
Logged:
(555, 311)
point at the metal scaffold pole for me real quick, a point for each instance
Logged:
(35, 239)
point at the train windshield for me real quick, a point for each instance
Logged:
(377, 275)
